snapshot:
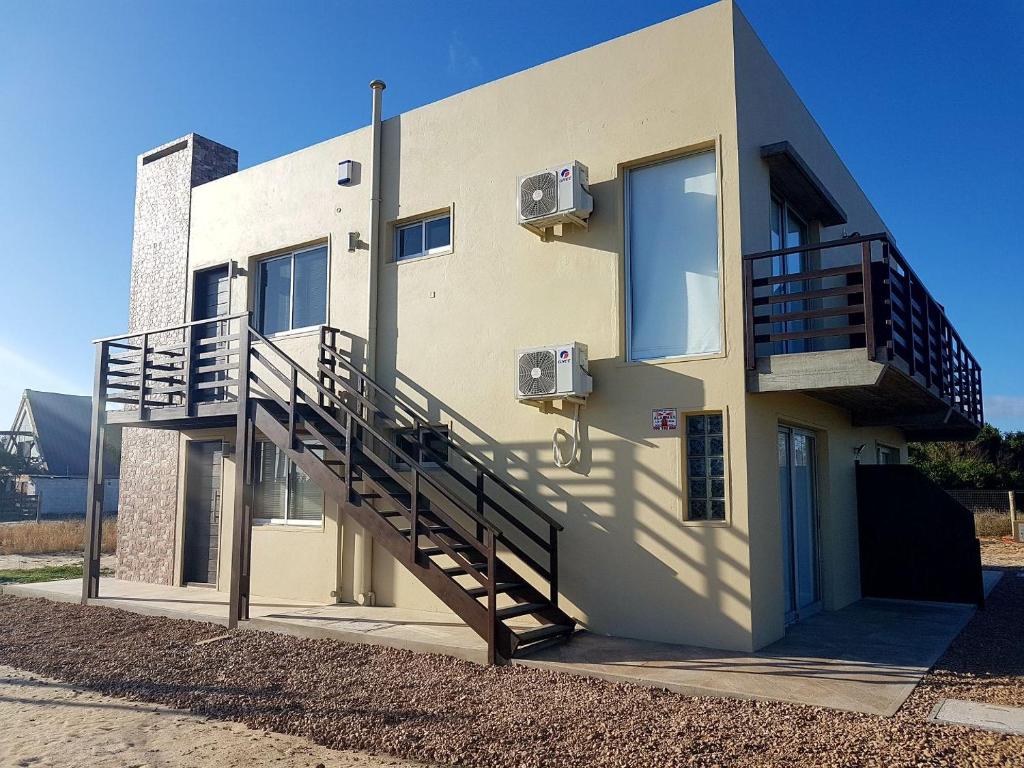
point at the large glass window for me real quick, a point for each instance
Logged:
(283, 493)
(291, 291)
(673, 295)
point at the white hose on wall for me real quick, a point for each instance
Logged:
(556, 451)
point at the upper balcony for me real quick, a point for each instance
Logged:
(849, 322)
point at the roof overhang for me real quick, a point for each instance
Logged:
(794, 180)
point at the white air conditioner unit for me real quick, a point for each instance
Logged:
(553, 373)
(559, 195)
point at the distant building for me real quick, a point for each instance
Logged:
(52, 430)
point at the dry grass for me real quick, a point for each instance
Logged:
(992, 523)
(52, 536)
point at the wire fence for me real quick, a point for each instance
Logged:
(19, 506)
(994, 511)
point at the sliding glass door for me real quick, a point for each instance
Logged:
(799, 510)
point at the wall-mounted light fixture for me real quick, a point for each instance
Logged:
(346, 172)
(353, 241)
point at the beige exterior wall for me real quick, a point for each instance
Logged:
(297, 562)
(768, 111)
(449, 325)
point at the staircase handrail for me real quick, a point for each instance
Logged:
(392, 447)
(422, 423)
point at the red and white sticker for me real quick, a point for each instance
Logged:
(664, 419)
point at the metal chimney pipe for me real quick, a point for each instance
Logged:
(363, 566)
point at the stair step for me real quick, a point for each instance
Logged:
(547, 632)
(521, 610)
(506, 586)
(435, 551)
(458, 570)
(430, 529)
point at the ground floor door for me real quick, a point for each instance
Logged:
(799, 509)
(202, 511)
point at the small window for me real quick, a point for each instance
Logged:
(291, 291)
(705, 467)
(283, 493)
(423, 238)
(886, 454)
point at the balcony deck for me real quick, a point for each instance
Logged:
(849, 322)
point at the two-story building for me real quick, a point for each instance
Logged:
(351, 426)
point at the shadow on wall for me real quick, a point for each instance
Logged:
(639, 561)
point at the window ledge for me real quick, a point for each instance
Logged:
(285, 525)
(422, 257)
(308, 330)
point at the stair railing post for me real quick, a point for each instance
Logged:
(240, 549)
(94, 492)
(293, 388)
(869, 307)
(553, 563)
(492, 597)
(414, 513)
(142, 376)
(479, 503)
(187, 372)
(348, 456)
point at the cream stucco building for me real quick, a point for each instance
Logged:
(714, 495)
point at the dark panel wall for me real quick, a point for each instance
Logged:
(916, 541)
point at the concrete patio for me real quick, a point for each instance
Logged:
(866, 658)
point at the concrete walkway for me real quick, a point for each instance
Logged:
(865, 658)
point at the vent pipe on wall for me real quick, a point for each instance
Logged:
(363, 567)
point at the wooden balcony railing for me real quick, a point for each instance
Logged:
(857, 292)
(173, 368)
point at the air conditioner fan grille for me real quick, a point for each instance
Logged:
(537, 373)
(538, 195)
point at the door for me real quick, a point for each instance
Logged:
(788, 230)
(799, 509)
(210, 298)
(202, 511)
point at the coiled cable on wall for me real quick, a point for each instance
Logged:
(556, 452)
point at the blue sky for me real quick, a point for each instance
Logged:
(923, 100)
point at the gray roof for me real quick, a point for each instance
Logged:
(62, 425)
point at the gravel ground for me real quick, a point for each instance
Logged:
(48, 723)
(442, 710)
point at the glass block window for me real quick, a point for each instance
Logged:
(705, 467)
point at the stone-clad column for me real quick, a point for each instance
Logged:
(149, 458)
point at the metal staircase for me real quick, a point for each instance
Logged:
(488, 552)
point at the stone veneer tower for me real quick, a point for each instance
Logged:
(166, 177)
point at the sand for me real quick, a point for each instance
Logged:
(48, 723)
(25, 562)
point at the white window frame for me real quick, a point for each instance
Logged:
(880, 448)
(422, 224)
(629, 358)
(291, 289)
(288, 522)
